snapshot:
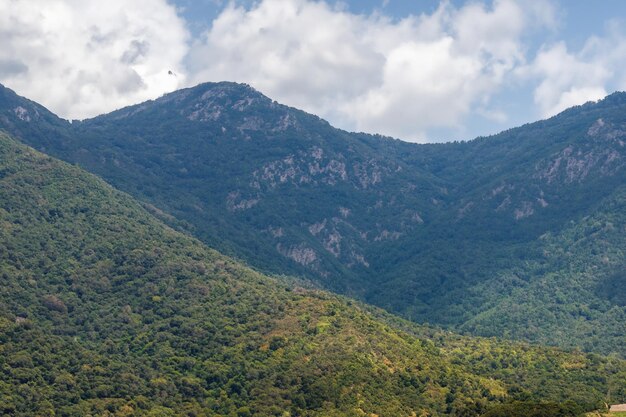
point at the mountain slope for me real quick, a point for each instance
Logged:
(438, 233)
(105, 310)
(575, 293)
(275, 186)
(507, 191)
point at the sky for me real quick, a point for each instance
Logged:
(421, 70)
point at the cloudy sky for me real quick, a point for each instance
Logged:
(420, 70)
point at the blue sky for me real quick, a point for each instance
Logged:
(575, 23)
(578, 19)
(422, 70)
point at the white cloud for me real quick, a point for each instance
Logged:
(402, 77)
(369, 72)
(81, 58)
(567, 78)
(303, 53)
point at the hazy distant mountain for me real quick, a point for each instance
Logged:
(518, 235)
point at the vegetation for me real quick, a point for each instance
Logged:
(519, 235)
(524, 409)
(106, 311)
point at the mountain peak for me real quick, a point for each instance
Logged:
(212, 90)
(226, 108)
(206, 102)
(23, 116)
(615, 98)
(209, 101)
(613, 101)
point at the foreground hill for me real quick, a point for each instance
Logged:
(105, 310)
(518, 235)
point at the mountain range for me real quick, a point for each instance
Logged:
(518, 235)
(105, 310)
(114, 303)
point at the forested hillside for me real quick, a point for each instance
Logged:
(103, 309)
(517, 235)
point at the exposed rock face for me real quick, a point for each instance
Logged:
(607, 131)
(603, 155)
(369, 173)
(300, 254)
(315, 167)
(417, 218)
(236, 203)
(504, 204)
(218, 101)
(22, 113)
(316, 228)
(465, 209)
(332, 243)
(525, 210)
(572, 165)
(288, 121)
(303, 168)
(387, 235)
(277, 232)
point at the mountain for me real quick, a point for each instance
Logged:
(517, 235)
(104, 310)
(253, 178)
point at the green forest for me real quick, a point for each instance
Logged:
(520, 235)
(107, 311)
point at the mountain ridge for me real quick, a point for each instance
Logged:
(422, 230)
(106, 310)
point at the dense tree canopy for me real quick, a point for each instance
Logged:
(519, 235)
(106, 311)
